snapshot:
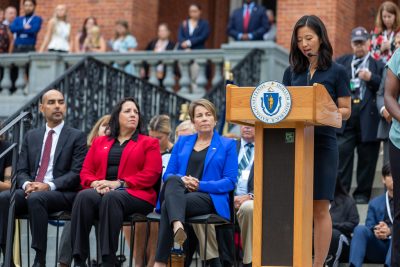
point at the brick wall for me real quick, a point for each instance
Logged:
(215, 12)
(142, 16)
(339, 16)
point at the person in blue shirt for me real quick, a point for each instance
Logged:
(373, 241)
(248, 23)
(26, 28)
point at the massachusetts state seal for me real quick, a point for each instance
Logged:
(270, 102)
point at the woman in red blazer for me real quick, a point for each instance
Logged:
(118, 177)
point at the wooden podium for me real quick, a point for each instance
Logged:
(283, 180)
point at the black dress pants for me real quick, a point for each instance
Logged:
(367, 152)
(109, 209)
(394, 157)
(178, 204)
(38, 205)
(339, 250)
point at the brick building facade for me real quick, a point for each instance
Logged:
(143, 16)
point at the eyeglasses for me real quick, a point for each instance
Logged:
(359, 43)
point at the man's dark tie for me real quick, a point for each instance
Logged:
(44, 163)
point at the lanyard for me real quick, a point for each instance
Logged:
(386, 38)
(362, 65)
(388, 207)
(29, 20)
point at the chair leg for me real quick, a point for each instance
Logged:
(132, 241)
(57, 234)
(28, 239)
(19, 236)
(205, 245)
(235, 263)
(146, 242)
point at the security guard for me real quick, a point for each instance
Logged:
(359, 132)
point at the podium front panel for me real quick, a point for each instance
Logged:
(278, 197)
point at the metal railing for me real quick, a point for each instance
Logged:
(91, 89)
(176, 69)
(14, 131)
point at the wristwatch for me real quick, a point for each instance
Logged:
(251, 196)
(122, 184)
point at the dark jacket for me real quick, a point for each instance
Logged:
(68, 158)
(198, 37)
(344, 214)
(369, 115)
(258, 24)
(150, 46)
(384, 126)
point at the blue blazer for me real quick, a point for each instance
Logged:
(376, 211)
(220, 168)
(258, 24)
(199, 36)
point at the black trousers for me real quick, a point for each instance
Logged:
(109, 209)
(367, 152)
(338, 250)
(38, 205)
(178, 204)
(394, 156)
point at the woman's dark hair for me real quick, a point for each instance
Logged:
(297, 59)
(386, 170)
(84, 31)
(114, 120)
(124, 24)
(340, 190)
(196, 5)
(32, 1)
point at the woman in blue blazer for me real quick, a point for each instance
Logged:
(194, 31)
(201, 172)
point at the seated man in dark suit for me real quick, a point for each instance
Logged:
(360, 130)
(48, 169)
(248, 23)
(373, 241)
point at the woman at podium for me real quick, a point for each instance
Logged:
(311, 62)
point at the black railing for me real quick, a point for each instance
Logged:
(91, 89)
(13, 131)
(246, 73)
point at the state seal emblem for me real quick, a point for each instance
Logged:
(270, 102)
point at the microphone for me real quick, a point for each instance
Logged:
(311, 54)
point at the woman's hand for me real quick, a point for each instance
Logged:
(385, 46)
(191, 183)
(104, 186)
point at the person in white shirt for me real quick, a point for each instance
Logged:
(48, 170)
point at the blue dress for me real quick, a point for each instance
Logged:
(326, 155)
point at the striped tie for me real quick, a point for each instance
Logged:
(245, 161)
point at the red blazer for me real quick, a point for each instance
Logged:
(140, 165)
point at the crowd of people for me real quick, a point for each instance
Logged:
(20, 32)
(119, 170)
